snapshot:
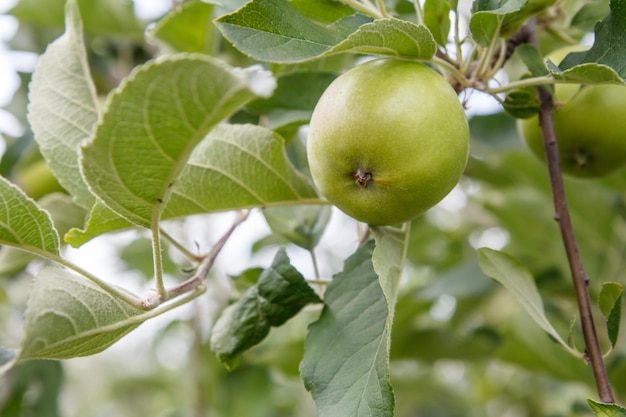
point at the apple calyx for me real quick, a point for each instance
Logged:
(362, 178)
(581, 158)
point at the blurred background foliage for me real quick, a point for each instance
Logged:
(461, 346)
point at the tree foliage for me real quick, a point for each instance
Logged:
(157, 133)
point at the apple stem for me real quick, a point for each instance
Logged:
(363, 178)
(593, 354)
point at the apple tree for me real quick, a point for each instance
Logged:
(212, 153)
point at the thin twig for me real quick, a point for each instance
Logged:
(180, 247)
(579, 277)
(197, 279)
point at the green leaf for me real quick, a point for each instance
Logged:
(150, 126)
(234, 167)
(437, 19)
(23, 224)
(533, 59)
(294, 99)
(607, 410)
(279, 294)
(19, 397)
(64, 213)
(488, 17)
(301, 225)
(609, 47)
(13, 261)
(187, 28)
(514, 21)
(591, 13)
(509, 272)
(274, 31)
(63, 106)
(102, 17)
(390, 37)
(610, 302)
(346, 358)
(68, 316)
(323, 11)
(295, 91)
(587, 74)
(388, 260)
(522, 103)
(101, 220)
(237, 167)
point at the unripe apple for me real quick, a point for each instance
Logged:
(387, 141)
(589, 123)
(37, 180)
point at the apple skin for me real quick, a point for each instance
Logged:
(589, 123)
(387, 141)
(36, 180)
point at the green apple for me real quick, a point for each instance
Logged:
(37, 180)
(387, 141)
(590, 126)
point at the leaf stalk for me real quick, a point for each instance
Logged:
(197, 279)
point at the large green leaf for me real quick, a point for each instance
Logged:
(509, 272)
(69, 316)
(102, 17)
(63, 106)
(187, 28)
(388, 261)
(234, 167)
(280, 294)
(64, 213)
(589, 14)
(346, 358)
(237, 167)
(326, 11)
(390, 37)
(488, 17)
(23, 224)
(585, 73)
(588, 73)
(437, 19)
(150, 126)
(274, 31)
(609, 47)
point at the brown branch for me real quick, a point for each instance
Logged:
(207, 262)
(593, 354)
(524, 35)
(579, 277)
